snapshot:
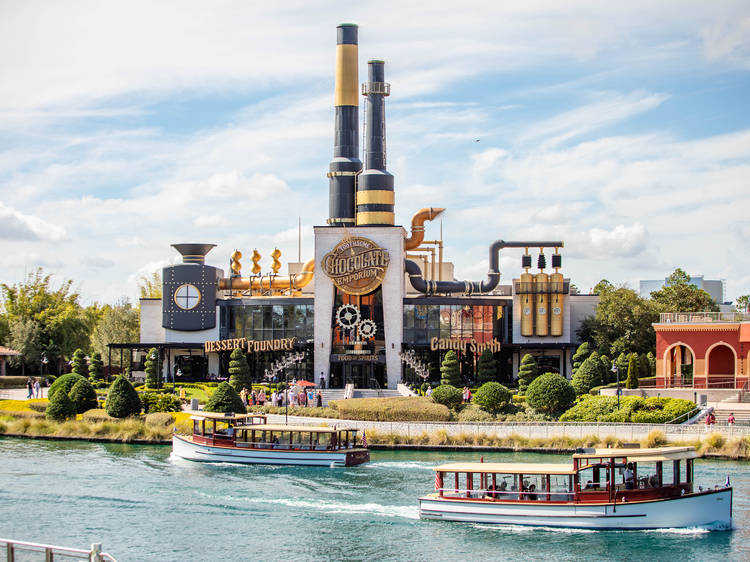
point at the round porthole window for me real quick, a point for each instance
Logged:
(187, 296)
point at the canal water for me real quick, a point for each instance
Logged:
(144, 505)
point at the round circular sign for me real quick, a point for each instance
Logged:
(356, 265)
(556, 310)
(187, 296)
(526, 311)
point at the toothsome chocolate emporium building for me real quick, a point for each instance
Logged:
(377, 305)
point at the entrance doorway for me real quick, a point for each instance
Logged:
(362, 374)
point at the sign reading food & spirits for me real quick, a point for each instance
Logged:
(456, 344)
(250, 345)
(356, 265)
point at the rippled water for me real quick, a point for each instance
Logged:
(144, 505)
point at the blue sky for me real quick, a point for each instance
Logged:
(621, 129)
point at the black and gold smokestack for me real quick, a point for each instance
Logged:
(345, 164)
(375, 197)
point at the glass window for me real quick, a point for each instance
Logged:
(409, 316)
(433, 317)
(455, 321)
(420, 317)
(445, 321)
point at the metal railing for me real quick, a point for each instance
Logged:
(686, 415)
(94, 554)
(702, 317)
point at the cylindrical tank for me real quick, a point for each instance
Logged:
(345, 165)
(556, 304)
(526, 301)
(541, 281)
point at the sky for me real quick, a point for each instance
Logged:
(620, 128)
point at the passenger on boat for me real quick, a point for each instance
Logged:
(628, 476)
(503, 486)
(532, 492)
(589, 485)
(275, 442)
(230, 430)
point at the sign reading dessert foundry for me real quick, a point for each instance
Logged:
(249, 345)
(356, 265)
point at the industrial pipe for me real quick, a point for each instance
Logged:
(470, 287)
(417, 226)
(271, 282)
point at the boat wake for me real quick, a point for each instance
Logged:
(403, 511)
(530, 528)
(409, 465)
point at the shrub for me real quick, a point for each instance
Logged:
(38, 405)
(159, 419)
(622, 366)
(79, 363)
(166, 403)
(588, 375)
(449, 374)
(65, 383)
(656, 438)
(492, 397)
(633, 370)
(97, 415)
(96, 367)
(487, 368)
(83, 396)
(239, 370)
(153, 368)
(122, 399)
(605, 369)
(402, 408)
(473, 413)
(60, 408)
(581, 354)
(527, 372)
(715, 441)
(447, 395)
(225, 399)
(550, 393)
(632, 409)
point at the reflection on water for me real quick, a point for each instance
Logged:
(143, 504)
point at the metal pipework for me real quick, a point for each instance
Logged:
(375, 197)
(343, 169)
(417, 226)
(271, 282)
(470, 287)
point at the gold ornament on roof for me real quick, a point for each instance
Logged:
(236, 266)
(276, 265)
(255, 259)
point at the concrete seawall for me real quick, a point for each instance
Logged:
(533, 430)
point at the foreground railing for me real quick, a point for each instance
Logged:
(701, 317)
(50, 552)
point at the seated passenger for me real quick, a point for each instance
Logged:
(503, 488)
(589, 485)
(532, 493)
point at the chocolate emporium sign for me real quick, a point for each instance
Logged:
(356, 265)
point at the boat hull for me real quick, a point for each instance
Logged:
(711, 510)
(186, 449)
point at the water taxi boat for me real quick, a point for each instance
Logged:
(249, 439)
(600, 489)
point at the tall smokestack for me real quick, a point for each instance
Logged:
(345, 164)
(375, 196)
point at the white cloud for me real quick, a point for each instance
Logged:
(15, 225)
(207, 221)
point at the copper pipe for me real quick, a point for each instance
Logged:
(417, 226)
(273, 282)
(439, 244)
(431, 251)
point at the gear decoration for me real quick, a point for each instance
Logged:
(348, 316)
(367, 329)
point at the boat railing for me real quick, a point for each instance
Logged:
(509, 494)
(14, 549)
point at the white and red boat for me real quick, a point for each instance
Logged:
(249, 439)
(600, 489)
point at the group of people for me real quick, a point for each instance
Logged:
(252, 398)
(33, 388)
(302, 398)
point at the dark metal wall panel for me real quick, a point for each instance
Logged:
(188, 318)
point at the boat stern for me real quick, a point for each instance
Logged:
(357, 456)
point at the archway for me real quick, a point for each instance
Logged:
(679, 362)
(720, 366)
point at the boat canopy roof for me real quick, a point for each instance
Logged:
(507, 468)
(295, 428)
(654, 454)
(195, 415)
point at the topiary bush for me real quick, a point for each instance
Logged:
(527, 372)
(487, 368)
(60, 408)
(239, 370)
(633, 371)
(96, 367)
(550, 393)
(83, 396)
(79, 363)
(588, 375)
(449, 373)
(581, 354)
(64, 383)
(225, 399)
(153, 368)
(122, 399)
(447, 395)
(492, 397)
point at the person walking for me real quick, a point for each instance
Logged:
(319, 399)
(37, 389)
(730, 419)
(29, 388)
(262, 397)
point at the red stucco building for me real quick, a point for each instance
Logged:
(703, 350)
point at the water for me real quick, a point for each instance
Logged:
(143, 505)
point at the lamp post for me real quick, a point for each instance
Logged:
(616, 371)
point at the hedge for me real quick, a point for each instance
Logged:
(447, 395)
(550, 393)
(225, 399)
(83, 396)
(633, 409)
(401, 408)
(65, 382)
(122, 399)
(492, 397)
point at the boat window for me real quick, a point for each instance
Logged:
(647, 476)
(560, 487)
(594, 478)
(197, 427)
(534, 486)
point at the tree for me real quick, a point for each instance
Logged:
(239, 370)
(225, 399)
(449, 370)
(527, 372)
(651, 363)
(150, 286)
(60, 407)
(83, 396)
(605, 369)
(25, 337)
(96, 367)
(679, 295)
(633, 370)
(492, 397)
(581, 354)
(550, 393)
(64, 384)
(153, 368)
(622, 363)
(622, 322)
(447, 395)
(644, 368)
(117, 323)
(588, 375)
(80, 367)
(487, 368)
(122, 399)
(743, 303)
